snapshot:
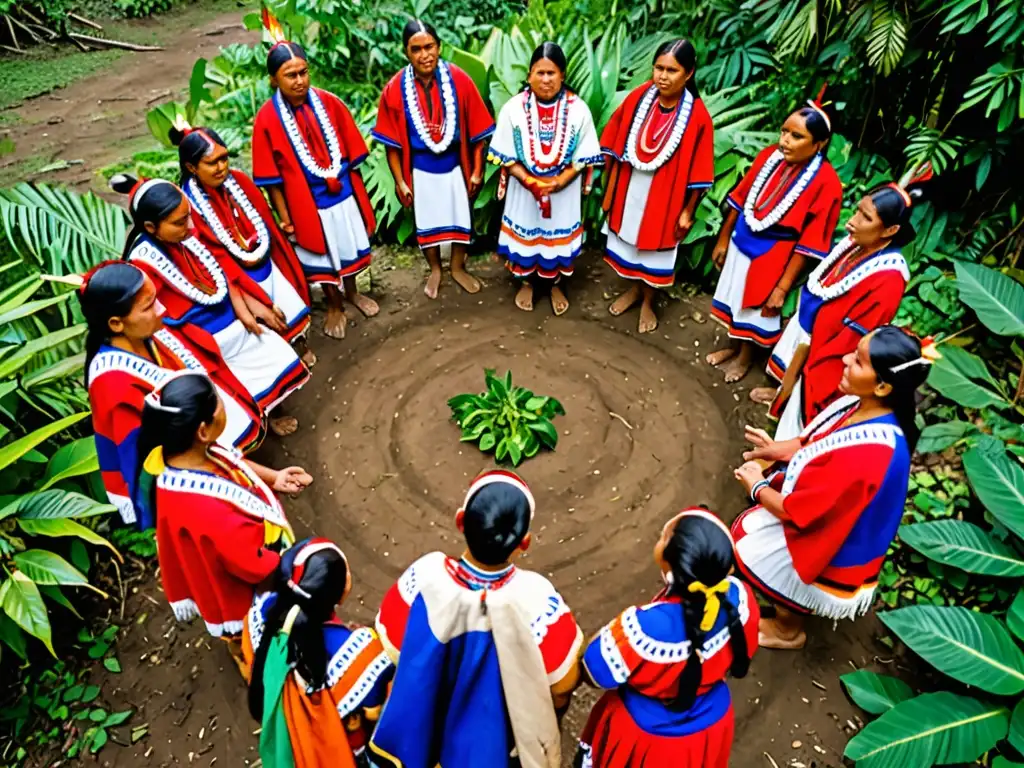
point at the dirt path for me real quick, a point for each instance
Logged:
(102, 118)
(390, 471)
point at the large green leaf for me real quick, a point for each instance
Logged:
(13, 298)
(62, 230)
(471, 64)
(964, 546)
(72, 460)
(999, 482)
(938, 437)
(974, 648)
(58, 528)
(932, 729)
(21, 601)
(50, 569)
(1015, 616)
(1017, 727)
(57, 504)
(11, 452)
(12, 636)
(956, 375)
(875, 693)
(61, 369)
(997, 300)
(31, 307)
(25, 354)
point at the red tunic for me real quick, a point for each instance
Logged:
(474, 121)
(274, 162)
(813, 218)
(692, 166)
(234, 220)
(211, 540)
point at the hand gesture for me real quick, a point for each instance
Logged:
(719, 253)
(473, 188)
(773, 307)
(684, 225)
(291, 480)
(404, 193)
(748, 474)
(273, 317)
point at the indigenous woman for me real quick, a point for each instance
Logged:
(784, 210)
(219, 526)
(306, 149)
(545, 137)
(661, 157)
(856, 289)
(128, 354)
(235, 223)
(316, 684)
(433, 122)
(197, 291)
(664, 664)
(487, 653)
(815, 540)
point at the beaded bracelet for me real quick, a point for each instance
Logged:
(759, 486)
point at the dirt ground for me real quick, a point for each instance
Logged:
(649, 429)
(390, 472)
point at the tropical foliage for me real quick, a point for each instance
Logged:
(511, 421)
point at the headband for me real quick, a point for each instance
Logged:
(918, 175)
(82, 281)
(299, 563)
(817, 104)
(929, 354)
(500, 476)
(699, 512)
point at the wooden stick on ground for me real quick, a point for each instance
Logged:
(13, 50)
(112, 43)
(85, 21)
(10, 29)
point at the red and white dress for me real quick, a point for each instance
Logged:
(661, 157)
(235, 222)
(218, 535)
(785, 212)
(313, 152)
(842, 498)
(639, 658)
(435, 129)
(845, 298)
(118, 383)
(193, 287)
(545, 139)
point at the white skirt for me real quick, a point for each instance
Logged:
(348, 245)
(535, 245)
(656, 268)
(763, 553)
(441, 207)
(266, 365)
(239, 423)
(285, 298)
(727, 304)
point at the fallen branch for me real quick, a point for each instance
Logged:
(85, 21)
(616, 416)
(10, 30)
(112, 43)
(35, 38)
(13, 50)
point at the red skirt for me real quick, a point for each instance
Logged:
(611, 739)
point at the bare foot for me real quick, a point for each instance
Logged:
(559, 301)
(335, 324)
(364, 304)
(466, 281)
(433, 283)
(282, 426)
(648, 320)
(625, 301)
(737, 368)
(770, 634)
(309, 357)
(763, 395)
(524, 297)
(719, 356)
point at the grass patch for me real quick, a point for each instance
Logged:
(28, 76)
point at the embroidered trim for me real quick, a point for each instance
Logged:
(124, 507)
(150, 254)
(775, 214)
(202, 203)
(185, 610)
(189, 481)
(412, 106)
(649, 649)
(556, 608)
(118, 360)
(256, 622)
(407, 586)
(846, 437)
(556, 157)
(682, 120)
(349, 651)
(291, 129)
(612, 656)
(879, 262)
(358, 692)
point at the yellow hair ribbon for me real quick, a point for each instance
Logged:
(154, 463)
(712, 604)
